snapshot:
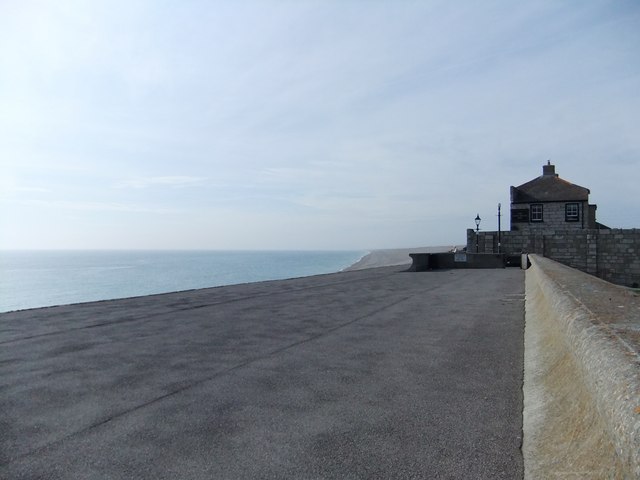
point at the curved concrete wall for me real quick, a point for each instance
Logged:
(582, 376)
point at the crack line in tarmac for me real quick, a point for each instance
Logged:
(210, 378)
(195, 307)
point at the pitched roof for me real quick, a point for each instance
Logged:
(549, 188)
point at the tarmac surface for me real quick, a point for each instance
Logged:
(375, 373)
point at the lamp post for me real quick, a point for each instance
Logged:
(499, 229)
(477, 229)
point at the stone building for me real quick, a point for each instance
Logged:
(549, 202)
(552, 217)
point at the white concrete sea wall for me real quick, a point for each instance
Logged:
(582, 376)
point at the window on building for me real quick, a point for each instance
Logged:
(572, 212)
(536, 212)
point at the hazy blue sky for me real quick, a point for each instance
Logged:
(307, 125)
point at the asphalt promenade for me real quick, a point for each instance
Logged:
(376, 373)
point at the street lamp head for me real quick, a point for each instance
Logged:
(478, 221)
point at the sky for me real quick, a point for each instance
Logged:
(307, 125)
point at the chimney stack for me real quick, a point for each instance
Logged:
(549, 169)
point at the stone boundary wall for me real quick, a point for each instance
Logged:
(613, 255)
(581, 415)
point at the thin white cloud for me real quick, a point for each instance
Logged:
(10, 186)
(92, 206)
(170, 181)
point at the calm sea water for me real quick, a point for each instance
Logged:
(44, 278)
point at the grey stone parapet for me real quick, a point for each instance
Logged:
(582, 375)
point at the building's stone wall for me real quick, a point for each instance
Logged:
(613, 255)
(553, 217)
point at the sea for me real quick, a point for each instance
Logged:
(32, 279)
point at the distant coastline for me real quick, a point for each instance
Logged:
(394, 256)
